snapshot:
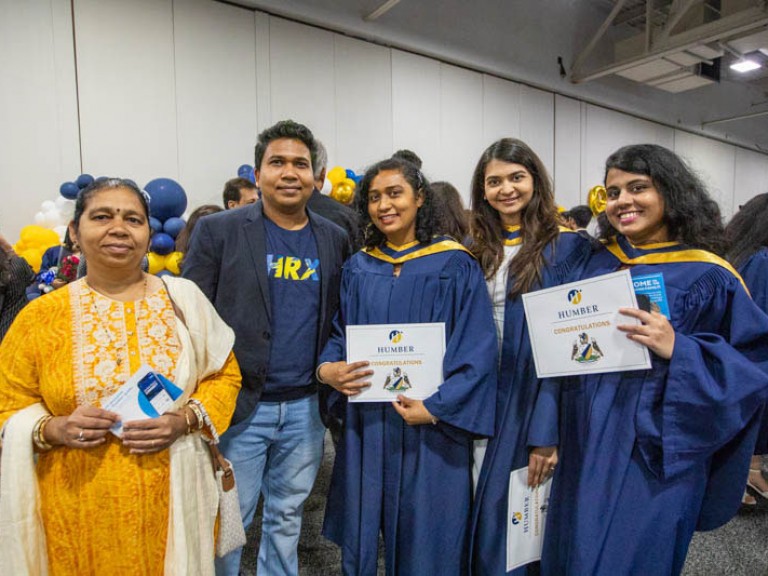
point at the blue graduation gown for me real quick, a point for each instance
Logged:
(647, 457)
(413, 482)
(755, 274)
(526, 412)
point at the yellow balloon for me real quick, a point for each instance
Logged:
(34, 236)
(173, 262)
(597, 199)
(560, 209)
(344, 191)
(336, 175)
(156, 262)
(34, 257)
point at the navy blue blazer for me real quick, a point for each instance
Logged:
(227, 259)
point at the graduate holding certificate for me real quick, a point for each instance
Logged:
(649, 456)
(404, 468)
(516, 238)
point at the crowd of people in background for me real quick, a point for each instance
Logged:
(251, 345)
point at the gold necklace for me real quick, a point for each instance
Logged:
(105, 327)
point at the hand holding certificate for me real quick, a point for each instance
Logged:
(574, 327)
(406, 359)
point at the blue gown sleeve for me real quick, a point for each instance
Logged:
(466, 400)
(571, 255)
(715, 384)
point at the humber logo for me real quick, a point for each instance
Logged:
(395, 336)
(517, 517)
(574, 296)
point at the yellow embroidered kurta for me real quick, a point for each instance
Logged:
(104, 511)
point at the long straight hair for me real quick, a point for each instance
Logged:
(539, 220)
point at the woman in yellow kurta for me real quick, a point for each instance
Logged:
(105, 502)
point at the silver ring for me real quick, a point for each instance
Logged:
(80, 436)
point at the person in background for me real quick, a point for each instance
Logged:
(59, 267)
(15, 276)
(87, 501)
(182, 240)
(272, 270)
(747, 238)
(516, 238)
(578, 218)
(329, 208)
(403, 469)
(239, 192)
(649, 456)
(451, 215)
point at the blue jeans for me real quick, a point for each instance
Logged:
(276, 452)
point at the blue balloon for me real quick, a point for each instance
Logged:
(173, 226)
(350, 173)
(161, 243)
(167, 198)
(244, 170)
(84, 180)
(155, 225)
(69, 190)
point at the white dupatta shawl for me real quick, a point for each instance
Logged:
(206, 342)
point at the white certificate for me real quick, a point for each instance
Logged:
(526, 519)
(405, 358)
(573, 327)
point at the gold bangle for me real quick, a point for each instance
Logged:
(38, 436)
(186, 417)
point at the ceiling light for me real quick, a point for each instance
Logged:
(745, 65)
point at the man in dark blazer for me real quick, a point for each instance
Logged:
(273, 270)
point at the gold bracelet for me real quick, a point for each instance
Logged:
(198, 414)
(186, 417)
(38, 437)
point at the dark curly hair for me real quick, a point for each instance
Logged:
(285, 129)
(539, 220)
(692, 217)
(747, 231)
(426, 220)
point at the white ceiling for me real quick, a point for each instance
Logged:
(522, 40)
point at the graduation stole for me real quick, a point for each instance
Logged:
(511, 234)
(664, 253)
(399, 254)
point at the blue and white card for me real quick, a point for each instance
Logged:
(652, 286)
(146, 394)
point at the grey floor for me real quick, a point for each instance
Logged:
(740, 548)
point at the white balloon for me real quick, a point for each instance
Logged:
(39, 218)
(52, 218)
(47, 205)
(61, 231)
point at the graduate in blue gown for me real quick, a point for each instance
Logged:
(647, 457)
(747, 237)
(403, 469)
(516, 238)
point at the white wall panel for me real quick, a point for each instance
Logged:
(416, 109)
(125, 66)
(501, 110)
(714, 162)
(302, 78)
(605, 131)
(39, 147)
(263, 75)
(461, 126)
(215, 95)
(567, 177)
(537, 123)
(363, 104)
(750, 177)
